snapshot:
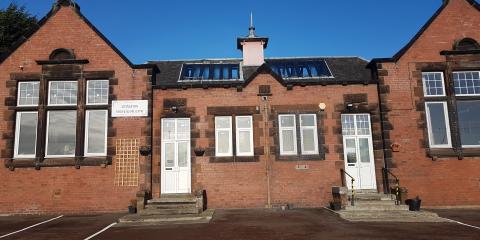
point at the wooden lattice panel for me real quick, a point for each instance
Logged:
(127, 162)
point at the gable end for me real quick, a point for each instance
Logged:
(56, 7)
(402, 51)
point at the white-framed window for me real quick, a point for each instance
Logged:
(223, 136)
(362, 124)
(62, 93)
(348, 125)
(244, 135)
(308, 133)
(26, 135)
(28, 93)
(61, 133)
(96, 124)
(97, 92)
(307, 127)
(469, 123)
(288, 134)
(438, 124)
(433, 84)
(467, 83)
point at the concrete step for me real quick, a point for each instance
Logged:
(143, 220)
(173, 199)
(372, 214)
(365, 191)
(170, 205)
(400, 219)
(375, 203)
(369, 197)
(377, 207)
(169, 211)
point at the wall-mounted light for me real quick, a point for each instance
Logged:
(21, 67)
(322, 106)
(350, 106)
(174, 109)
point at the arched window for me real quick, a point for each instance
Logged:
(466, 44)
(62, 54)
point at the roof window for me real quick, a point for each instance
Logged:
(301, 69)
(210, 72)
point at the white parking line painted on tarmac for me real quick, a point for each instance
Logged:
(34, 225)
(103, 230)
(464, 224)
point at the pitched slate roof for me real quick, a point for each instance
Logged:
(345, 70)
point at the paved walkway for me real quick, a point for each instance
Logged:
(246, 224)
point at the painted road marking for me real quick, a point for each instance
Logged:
(21, 230)
(464, 224)
(103, 230)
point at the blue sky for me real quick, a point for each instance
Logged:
(191, 29)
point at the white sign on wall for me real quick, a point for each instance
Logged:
(130, 108)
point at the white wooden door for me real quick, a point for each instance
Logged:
(176, 157)
(358, 150)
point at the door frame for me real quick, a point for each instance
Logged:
(356, 136)
(162, 156)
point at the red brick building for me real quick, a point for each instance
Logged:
(253, 118)
(60, 82)
(85, 130)
(429, 96)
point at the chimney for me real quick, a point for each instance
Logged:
(252, 47)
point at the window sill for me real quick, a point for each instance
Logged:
(436, 153)
(294, 158)
(76, 162)
(232, 159)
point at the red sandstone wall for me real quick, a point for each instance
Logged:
(240, 184)
(447, 181)
(65, 189)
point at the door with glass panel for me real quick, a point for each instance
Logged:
(175, 162)
(358, 150)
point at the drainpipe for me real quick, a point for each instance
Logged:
(267, 149)
(152, 123)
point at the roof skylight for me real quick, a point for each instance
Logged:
(301, 69)
(210, 72)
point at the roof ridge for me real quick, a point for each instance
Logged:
(198, 59)
(299, 57)
(268, 58)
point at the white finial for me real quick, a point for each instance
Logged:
(251, 29)
(251, 19)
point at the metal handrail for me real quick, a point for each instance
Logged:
(397, 187)
(352, 200)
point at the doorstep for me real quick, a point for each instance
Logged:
(149, 220)
(389, 216)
